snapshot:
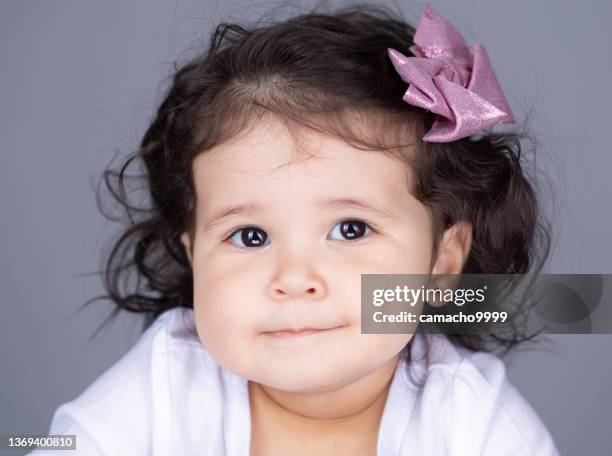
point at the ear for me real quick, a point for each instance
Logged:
(187, 244)
(453, 249)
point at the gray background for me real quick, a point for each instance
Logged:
(79, 82)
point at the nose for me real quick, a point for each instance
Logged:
(297, 280)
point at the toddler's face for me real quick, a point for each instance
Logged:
(282, 246)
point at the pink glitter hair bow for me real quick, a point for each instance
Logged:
(446, 79)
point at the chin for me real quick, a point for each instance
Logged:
(302, 379)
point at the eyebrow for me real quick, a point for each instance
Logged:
(250, 208)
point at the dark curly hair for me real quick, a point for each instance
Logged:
(321, 72)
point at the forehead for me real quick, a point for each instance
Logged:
(268, 160)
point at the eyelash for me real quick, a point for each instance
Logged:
(369, 226)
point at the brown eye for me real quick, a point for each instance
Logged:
(249, 237)
(350, 229)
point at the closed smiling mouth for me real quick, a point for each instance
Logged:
(298, 332)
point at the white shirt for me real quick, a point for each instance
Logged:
(168, 396)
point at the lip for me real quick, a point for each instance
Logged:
(285, 333)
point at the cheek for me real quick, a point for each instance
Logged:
(226, 313)
(403, 251)
(222, 290)
(409, 250)
(379, 348)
